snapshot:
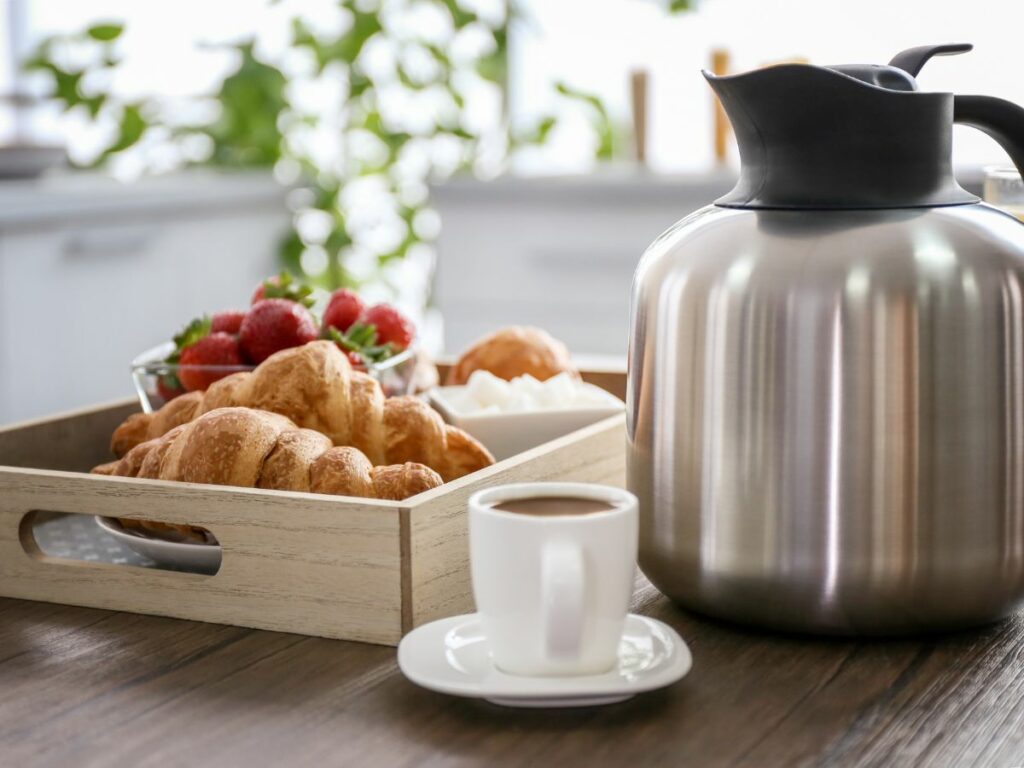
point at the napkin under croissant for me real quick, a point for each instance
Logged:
(316, 388)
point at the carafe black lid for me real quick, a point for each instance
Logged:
(846, 136)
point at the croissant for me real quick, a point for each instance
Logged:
(256, 449)
(315, 386)
(511, 352)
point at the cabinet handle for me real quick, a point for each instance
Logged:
(121, 242)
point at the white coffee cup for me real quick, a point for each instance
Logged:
(553, 590)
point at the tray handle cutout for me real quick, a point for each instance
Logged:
(56, 537)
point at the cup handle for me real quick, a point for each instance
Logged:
(563, 572)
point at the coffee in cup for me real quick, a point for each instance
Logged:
(553, 566)
(547, 506)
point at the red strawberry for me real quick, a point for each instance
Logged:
(343, 310)
(356, 360)
(168, 388)
(392, 326)
(218, 349)
(227, 322)
(261, 289)
(275, 324)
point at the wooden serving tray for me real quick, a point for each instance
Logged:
(331, 566)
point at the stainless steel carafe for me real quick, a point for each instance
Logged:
(826, 371)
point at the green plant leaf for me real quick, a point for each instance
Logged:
(373, 123)
(65, 85)
(439, 55)
(457, 98)
(358, 83)
(365, 24)
(41, 58)
(605, 142)
(290, 251)
(327, 192)
(247, 133)
(105, 33)
(539, 133)
(94, 104)
(576, 94)
(302, 36)
(455, 130)
(460, 16)
(337, 241)
(339, 237)
(131, 128)
(605, 130)
(408, 80)
(494, 66)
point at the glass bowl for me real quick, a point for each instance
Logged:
(396, 374)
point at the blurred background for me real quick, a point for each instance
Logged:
(477, 162)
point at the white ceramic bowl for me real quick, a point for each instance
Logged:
(508, 433)
(179, 555)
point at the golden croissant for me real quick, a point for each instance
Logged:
(315, 386)
(256, 449)
(511, 352)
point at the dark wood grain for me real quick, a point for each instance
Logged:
(88, 687)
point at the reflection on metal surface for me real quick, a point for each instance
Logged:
(826, 416)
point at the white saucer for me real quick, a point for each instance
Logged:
(451, 656)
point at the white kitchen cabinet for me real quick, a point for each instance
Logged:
(558, 253)
(93, 272)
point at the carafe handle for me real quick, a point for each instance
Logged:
(1002, 120)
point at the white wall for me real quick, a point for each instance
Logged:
(593, 43)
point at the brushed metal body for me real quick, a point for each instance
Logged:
(826, 416)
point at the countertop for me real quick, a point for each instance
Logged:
(613, 184)
(59, 198)
(96, 688)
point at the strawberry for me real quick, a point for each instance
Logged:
(216, 349)
(227, 322)
(356, 360)
(258, 294)
(272, 325)
(283, 286)
(343, 309)
(189, 335)
(392, 326)
(168, 387)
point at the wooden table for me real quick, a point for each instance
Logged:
(88, 687)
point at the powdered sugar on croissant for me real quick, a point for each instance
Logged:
(315, 386)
